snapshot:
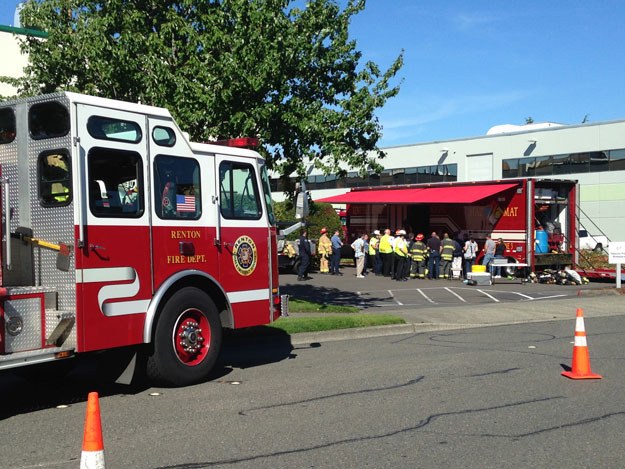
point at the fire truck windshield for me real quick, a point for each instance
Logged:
(267, 194)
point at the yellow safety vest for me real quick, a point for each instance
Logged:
(400, 248)
(385, 244)
(373, 243)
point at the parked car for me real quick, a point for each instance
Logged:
(597, 243)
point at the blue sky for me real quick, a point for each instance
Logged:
(470, 65)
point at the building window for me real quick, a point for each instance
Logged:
(389, 177)
(573, 163)
(617, 160)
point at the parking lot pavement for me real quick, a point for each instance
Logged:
(426, 303)
(447, 296)
(375, 293)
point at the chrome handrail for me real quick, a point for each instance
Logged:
(7, 224)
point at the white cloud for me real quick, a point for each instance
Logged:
(417, 113)
(432, 109)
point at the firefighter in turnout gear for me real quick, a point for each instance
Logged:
(418, 254)
(448, 246)
(289, 250)
(325, 251)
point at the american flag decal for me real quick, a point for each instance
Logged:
(185, 203)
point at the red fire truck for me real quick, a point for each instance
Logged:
(535, 217)
(118, 231)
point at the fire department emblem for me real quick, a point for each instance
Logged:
(244, 255)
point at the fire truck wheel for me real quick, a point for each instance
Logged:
(187, 339)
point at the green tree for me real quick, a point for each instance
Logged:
(290, 76)
(321, 215)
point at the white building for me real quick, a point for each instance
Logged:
(592, 153)
(13, 61)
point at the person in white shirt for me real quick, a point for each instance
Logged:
(469, 254)
(359, 253)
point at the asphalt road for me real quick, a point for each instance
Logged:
(449, 393)
(485, 397)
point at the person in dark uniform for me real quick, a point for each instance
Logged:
(304, 256)
(434, 255)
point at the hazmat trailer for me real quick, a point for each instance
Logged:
(536, 218)
(118, 231)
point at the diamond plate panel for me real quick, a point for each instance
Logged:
(29, 311)
(53, 317)
(53, 224)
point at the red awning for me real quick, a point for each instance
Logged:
(427, 195)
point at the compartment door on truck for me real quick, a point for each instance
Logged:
(244, 238)
(114, 280)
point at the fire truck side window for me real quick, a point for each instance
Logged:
(177, 188)
(7, 125)
(48, 120)
(115, 183)
(106, 128)
(164, 136)
(239, 194)
(55, 182)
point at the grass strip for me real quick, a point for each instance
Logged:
(297, 305)
(294, 325)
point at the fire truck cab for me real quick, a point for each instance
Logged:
(118, 231)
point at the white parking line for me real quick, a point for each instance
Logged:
(551, 296)
(524, 296)
(421, 291)
(490, 296)
(390, 292)
(455, 294)
(426, 297)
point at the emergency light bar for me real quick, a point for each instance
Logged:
(240, 142)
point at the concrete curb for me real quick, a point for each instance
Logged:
(373, 331)
(396, 329)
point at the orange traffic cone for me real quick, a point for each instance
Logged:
(92, 456)
(581, 359)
